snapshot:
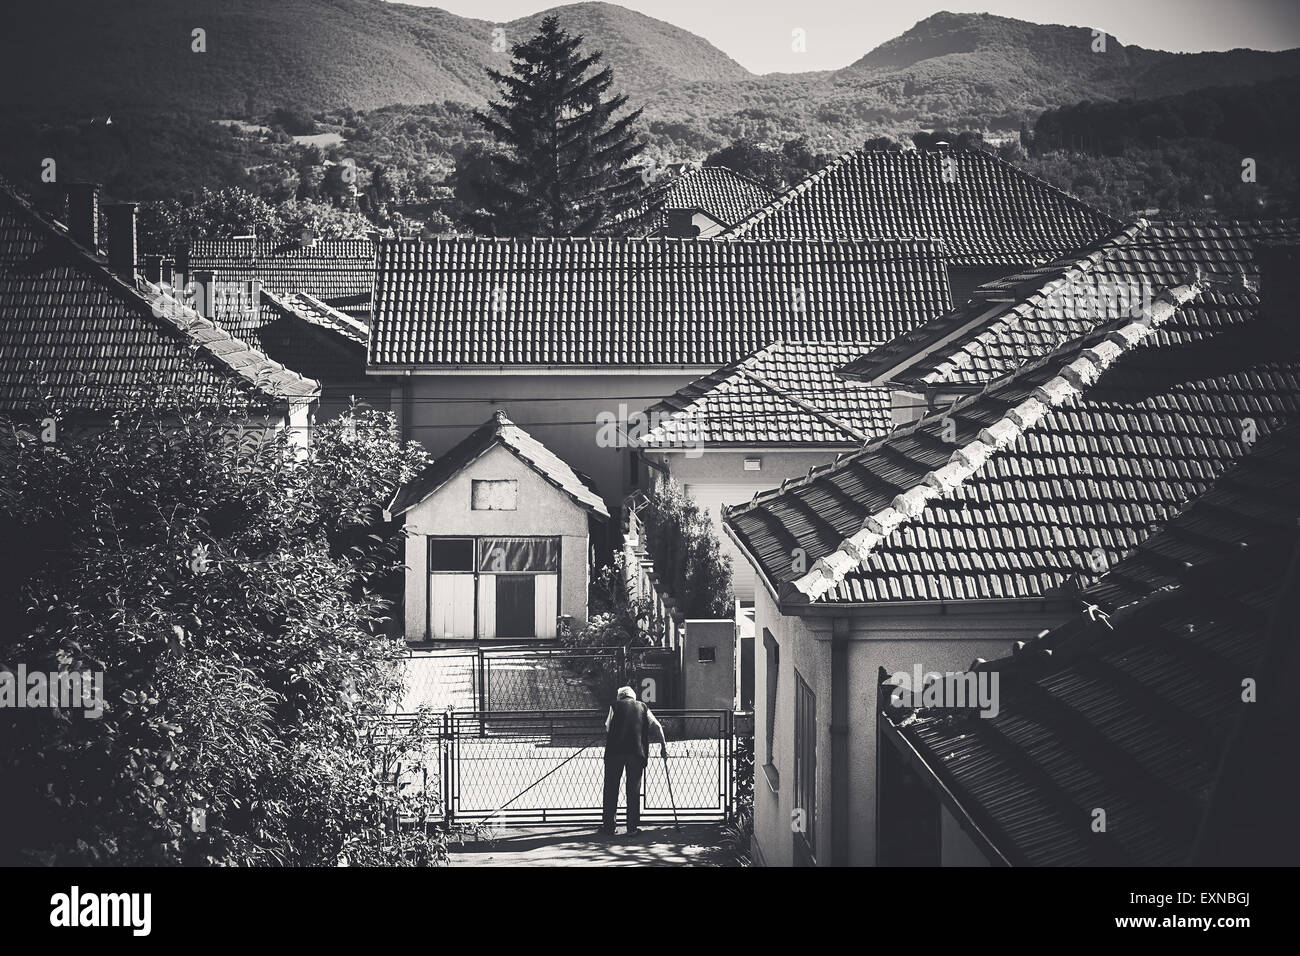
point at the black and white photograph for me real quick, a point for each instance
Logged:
(655, 435)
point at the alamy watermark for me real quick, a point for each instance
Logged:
(946, 690)
(65, 690)
(627, 429)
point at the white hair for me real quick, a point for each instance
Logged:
(626, 693)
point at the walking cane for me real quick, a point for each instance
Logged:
(669, 777)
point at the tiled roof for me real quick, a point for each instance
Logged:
(315, 312)
(985, 211)
(1133, 712)
(785, 394)
(725, 195)
(1046, 477)
(72, 330)
(499, 430)
(339, 272)
(695, 303)
(1023, 317)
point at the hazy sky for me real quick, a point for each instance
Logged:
(756, 33)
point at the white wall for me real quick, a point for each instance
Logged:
(543, 510)
(719, 477)
(444, 408)
(895, 638)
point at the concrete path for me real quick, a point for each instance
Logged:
(693, 845)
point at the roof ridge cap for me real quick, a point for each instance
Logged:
(784, 198)
(1072, 380)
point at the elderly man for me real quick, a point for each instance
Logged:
(627, 748)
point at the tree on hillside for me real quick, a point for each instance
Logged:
(563, 167)
(775, 167)
(226, 587)
(882, 143)
(234, 211)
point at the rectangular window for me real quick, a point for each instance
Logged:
(501, 555)
(773, 657)
(805, 768)
(451, 554)
(708, 655)
(494, 495)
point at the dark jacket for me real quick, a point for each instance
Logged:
(629, 730)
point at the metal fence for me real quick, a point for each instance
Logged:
(512, 679)
(547, 767)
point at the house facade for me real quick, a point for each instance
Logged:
(497, 540)
(82, 333)
(577, 337)
(1141, 702)
(751, 425)
(936, 545)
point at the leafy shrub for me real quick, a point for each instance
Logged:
(687, 556)
(224, 585)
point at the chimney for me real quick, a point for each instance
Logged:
(122, 238)
(183, 259)
(83, 214)
(153, 268)
(681, 224)
(205, 293)
(167, 271)
(1278, 263)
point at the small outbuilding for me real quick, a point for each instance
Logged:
(498, 539)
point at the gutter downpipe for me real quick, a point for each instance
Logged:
(840, 742)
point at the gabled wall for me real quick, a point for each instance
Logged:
(558, 409)
(543, 510)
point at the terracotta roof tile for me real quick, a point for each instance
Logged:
(72, 330)
(984, 211)
(785, 394)
(339, 272)
(1083, 450)
(640, 302)
(1132, 705)
(725, 195)
(1023, 317)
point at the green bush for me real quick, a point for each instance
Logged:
(223, 584)
(686, 553)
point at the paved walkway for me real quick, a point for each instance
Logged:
(517, 680)
(693, 845)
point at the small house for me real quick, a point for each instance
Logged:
(497, 543)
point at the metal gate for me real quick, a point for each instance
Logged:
(541, 678)
(547, 767)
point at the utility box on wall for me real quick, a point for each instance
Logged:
(709, 665)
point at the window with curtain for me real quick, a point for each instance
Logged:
(502, 555)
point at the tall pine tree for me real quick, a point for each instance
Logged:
(563, 167)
